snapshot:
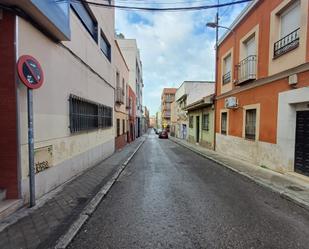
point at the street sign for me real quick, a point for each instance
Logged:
(31, 75)
(30, 72)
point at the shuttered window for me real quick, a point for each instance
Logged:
(250, 126)
(227, 64)
(290, 19)
(250, 46)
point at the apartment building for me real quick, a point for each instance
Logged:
(121, 95)
(188, 93)
(131, 54)
(167, 98)
(74, 108)
(262, 103)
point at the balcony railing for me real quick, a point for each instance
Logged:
(287, 43)
(119, 95)
(247, 69)
(226, 78)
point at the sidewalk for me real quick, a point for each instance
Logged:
(288, 186)
(41, 226)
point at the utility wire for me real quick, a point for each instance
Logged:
(188, 8)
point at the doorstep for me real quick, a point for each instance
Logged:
(8, 207)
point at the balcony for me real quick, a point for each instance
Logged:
(119, 95)
(247, 69)
(287, 43)
(226, 78)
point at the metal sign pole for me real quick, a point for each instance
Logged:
(31, 147)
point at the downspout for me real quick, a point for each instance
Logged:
(18, 130)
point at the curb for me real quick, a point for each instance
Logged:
(258, 181)
(66, 239)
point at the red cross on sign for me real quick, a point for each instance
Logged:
(30, 71)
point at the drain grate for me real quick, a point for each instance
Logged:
(295, 188)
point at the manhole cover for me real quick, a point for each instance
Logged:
(295, 188)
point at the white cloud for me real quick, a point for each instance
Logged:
(174, 47)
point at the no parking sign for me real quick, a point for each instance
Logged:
(31, 75)
(30, 72)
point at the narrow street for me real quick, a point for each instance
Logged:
(169, 197)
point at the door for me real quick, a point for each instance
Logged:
(302, 143)
(197, 129)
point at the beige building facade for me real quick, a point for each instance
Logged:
(74, 108)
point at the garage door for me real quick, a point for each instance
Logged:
(302, 143)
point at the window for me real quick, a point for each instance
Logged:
(205, 122)
(87, 18)
(250, 125)
(250, 46)
(123, 87)
(226, 78)
(118, 127)
(289, 30)
(123, 126)
(224, 123)
(87, 115)
(247, 67)
(290, 20)
(105, 46)
(191, 121)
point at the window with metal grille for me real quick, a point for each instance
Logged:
(224, 123)
(205, 122)
(86, 115)
(118, 127)
(191, 121)
(250, 125)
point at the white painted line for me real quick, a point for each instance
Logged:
(66, 239)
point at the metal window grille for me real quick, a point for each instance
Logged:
(250, 124)
(226, 78)
(86, 115)
(191, 121)
(287, 43)
(223, 123)
(118, 127)
(205, 122)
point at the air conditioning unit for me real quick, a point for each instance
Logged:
(231, 103)
(293, 79)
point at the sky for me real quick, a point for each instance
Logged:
(174, 46)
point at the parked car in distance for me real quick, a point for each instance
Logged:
(158, 131)
(163, 134)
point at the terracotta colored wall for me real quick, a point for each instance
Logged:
(8, 127)
(132, 117)
(259, 15)
(269, 107)
(120, 141)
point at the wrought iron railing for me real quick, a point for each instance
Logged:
(247, 69)
(226, 78)
(287, 43)
(119, 95)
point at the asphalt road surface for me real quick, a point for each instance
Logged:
(169, 197)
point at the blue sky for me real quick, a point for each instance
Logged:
(174, 46)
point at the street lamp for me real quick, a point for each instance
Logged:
(215, 25)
